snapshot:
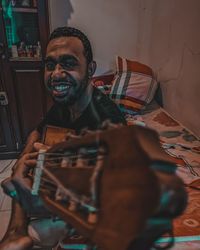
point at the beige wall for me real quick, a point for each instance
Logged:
(108, 24)
(164, 34)
(173, 51)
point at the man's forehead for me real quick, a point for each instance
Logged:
(72, 44)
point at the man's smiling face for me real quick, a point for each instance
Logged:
(66, 71)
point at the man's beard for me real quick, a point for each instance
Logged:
(71, 95)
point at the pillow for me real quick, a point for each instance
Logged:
(133, 87)
(103, 82)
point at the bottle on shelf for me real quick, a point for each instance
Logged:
(29, 51)
(25, 3)
(14, 51)
(22, 50)
(38, 50)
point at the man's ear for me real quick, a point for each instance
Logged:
(91, 68)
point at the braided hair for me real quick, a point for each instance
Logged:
(73, 32)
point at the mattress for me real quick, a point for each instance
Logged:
(184, 148)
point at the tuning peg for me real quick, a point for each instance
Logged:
(80, 163)
(66, 161)
(59, 195)
(92, 217)
(82, 160)
(72, 206)
(55, 218)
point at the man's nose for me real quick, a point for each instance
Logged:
(58, 71)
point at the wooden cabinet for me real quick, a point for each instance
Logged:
(24, 32)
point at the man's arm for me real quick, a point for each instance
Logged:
(34, 136)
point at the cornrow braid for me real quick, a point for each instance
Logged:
(69, 31)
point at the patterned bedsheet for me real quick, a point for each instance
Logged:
(184, 148)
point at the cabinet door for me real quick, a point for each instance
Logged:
(23, 35)
(7, 140)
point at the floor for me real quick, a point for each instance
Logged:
(5, 201)
(5, 209)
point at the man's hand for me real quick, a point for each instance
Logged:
(22, 173)
(25, 167)
(23, 181)
(37, 146)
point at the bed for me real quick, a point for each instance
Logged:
(135, 90)
(184, 148)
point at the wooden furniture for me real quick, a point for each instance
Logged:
(24, 31)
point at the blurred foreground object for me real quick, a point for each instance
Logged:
(116, 187)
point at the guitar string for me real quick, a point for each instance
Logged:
(66, 191)
(47, 180)
(99, 158)
(61, 156)
(74, 157)
(44, 187)
(81, 199)
(72, 163)
(46, 184)
(68, 157)
(70, 196)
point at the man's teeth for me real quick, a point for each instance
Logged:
(61, 87)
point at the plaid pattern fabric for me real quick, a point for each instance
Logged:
(134, 85)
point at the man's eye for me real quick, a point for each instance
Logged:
(68, 65)
(50, 66)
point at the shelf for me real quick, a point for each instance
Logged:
(24, 10)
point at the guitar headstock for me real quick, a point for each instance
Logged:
(103, 185)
